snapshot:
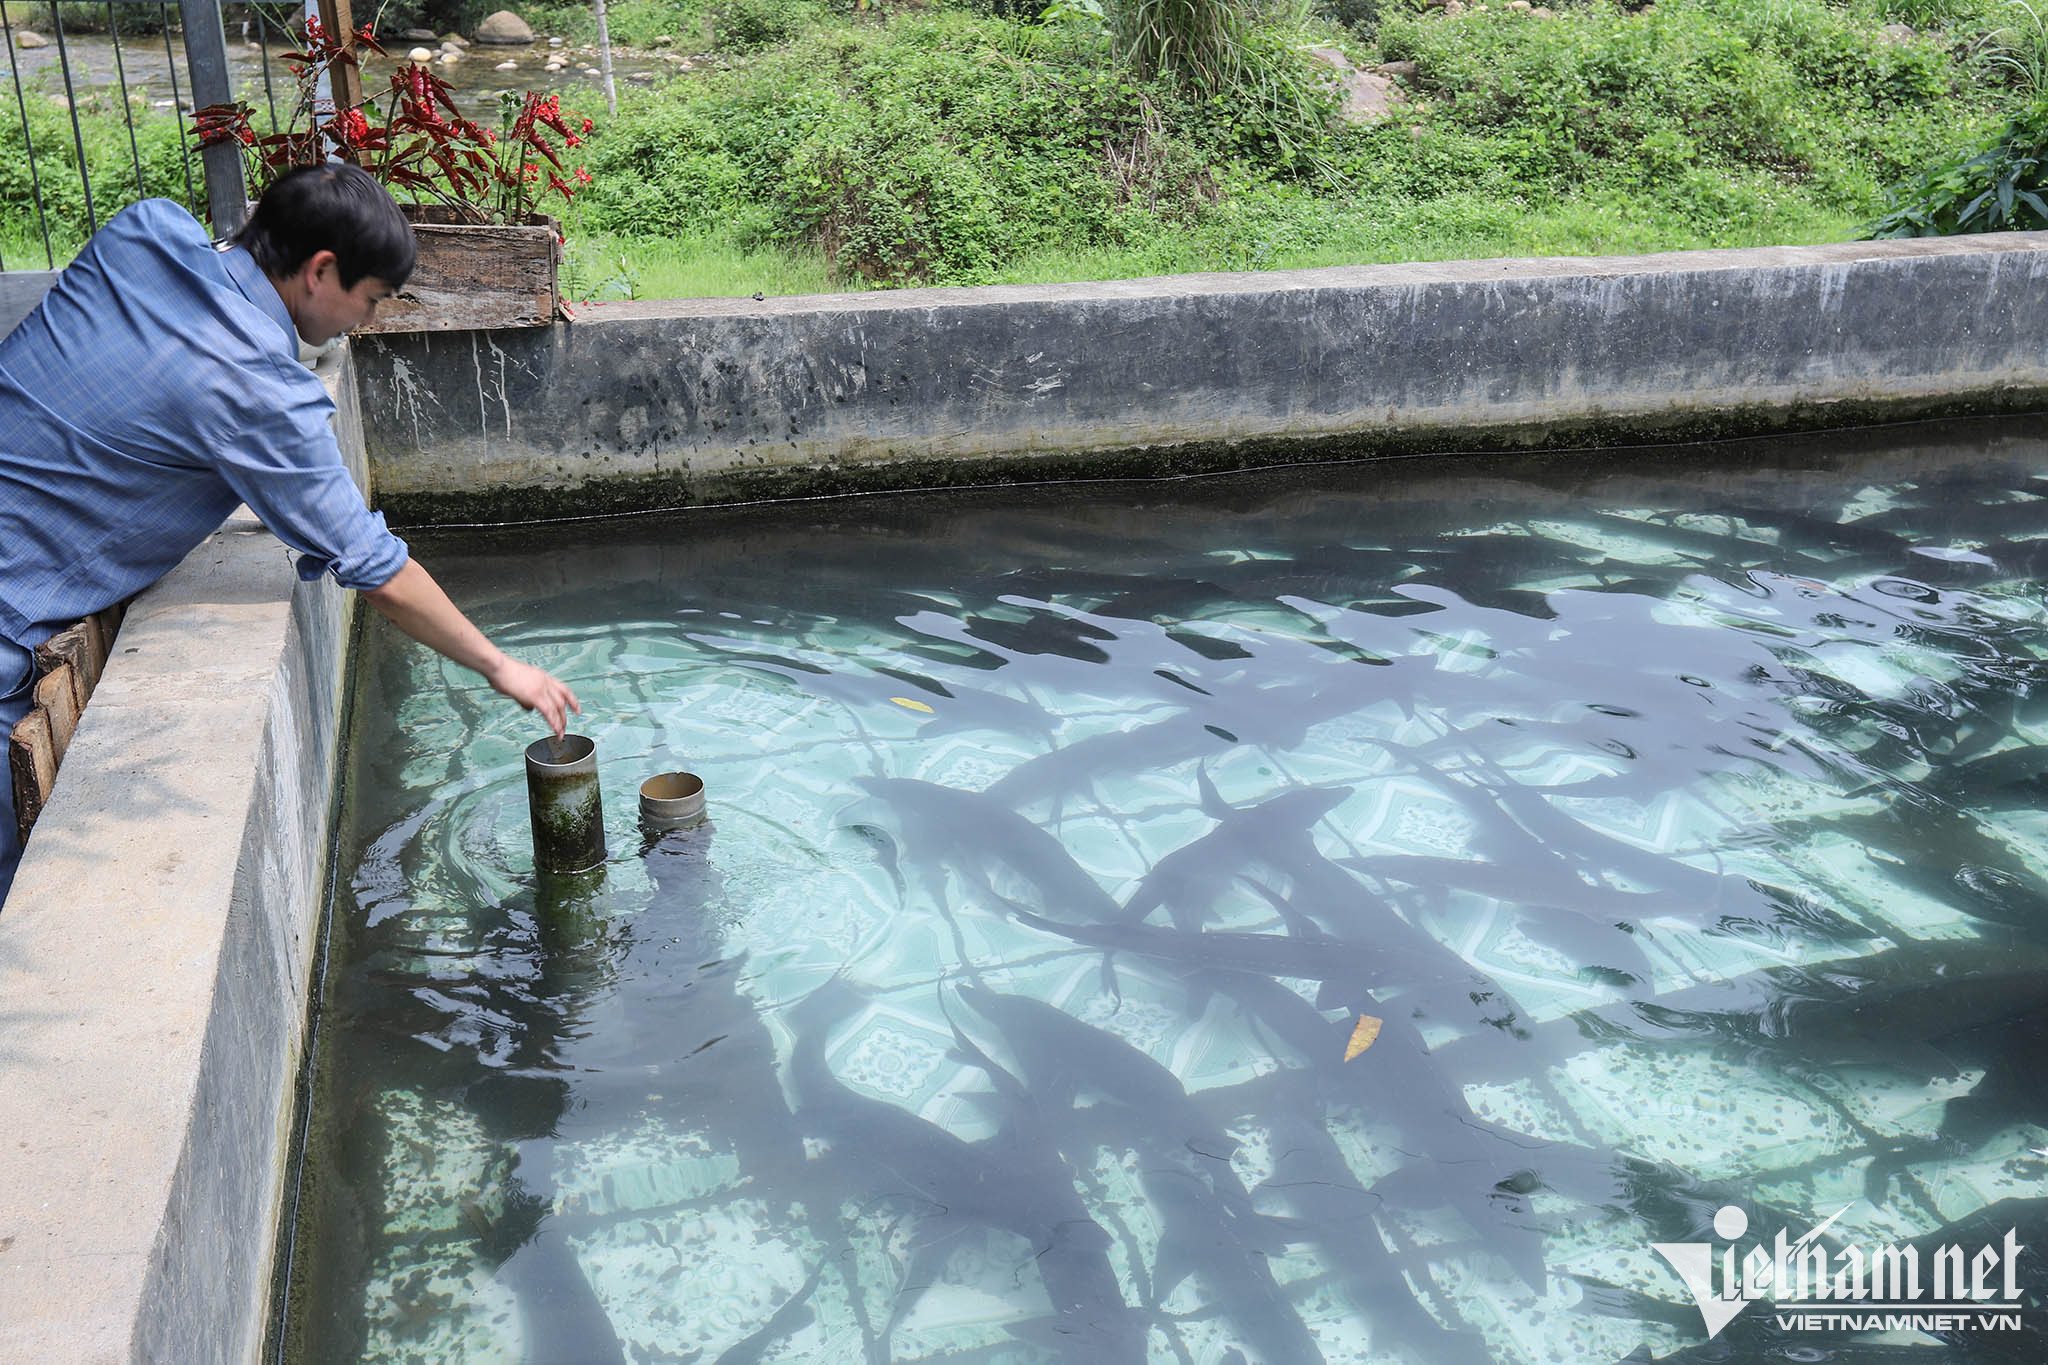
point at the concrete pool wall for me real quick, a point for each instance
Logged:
(156, 959)
(157, 954)
(665, 404)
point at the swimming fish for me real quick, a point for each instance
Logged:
(561, 1321)
(1344, 968)
(1019, 1187)
(1189, 880)
(979, 836)
(791, 1316)
(1459, 1160)
(1063, 1056)
(1204, 1236)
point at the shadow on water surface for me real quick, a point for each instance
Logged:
(1342, 914)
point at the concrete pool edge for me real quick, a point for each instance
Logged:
(157, 999)
(700, 401)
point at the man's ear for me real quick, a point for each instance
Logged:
(316, 266)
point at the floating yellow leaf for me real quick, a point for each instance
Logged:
(1361, 1037)
(912, 705)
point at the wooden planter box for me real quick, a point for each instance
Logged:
(474, 277)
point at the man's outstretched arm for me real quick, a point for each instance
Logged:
(414, 602)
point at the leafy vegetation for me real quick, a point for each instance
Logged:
(111, 164)
(2002, 187)
(950, 146)
(874, 143)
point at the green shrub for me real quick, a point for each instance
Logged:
(109, 159)
(1791, 89)
(1999, 187)
(750, 25)
(922, 151)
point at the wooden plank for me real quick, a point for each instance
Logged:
(110, 626)
(32, 767)
(57, 695)
(345, 78)
(83, 647)
(475, 278)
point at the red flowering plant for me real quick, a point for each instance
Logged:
(419, 143)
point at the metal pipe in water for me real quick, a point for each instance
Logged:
(671, 801)
(568, 813)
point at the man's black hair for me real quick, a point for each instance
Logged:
(330, 207)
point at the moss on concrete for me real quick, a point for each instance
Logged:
(1606, 436)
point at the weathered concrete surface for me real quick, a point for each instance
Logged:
(155, 957)
(640, 405)
(20, 292)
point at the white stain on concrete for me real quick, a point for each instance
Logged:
(408, 388)
(504, 398)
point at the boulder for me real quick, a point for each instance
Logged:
(504, 29)
(1898, 33)
(453, 40)
(420, 54)
(419, 35)
(1400, 71)
(506, 66)
(1369, 96)
(28, 37)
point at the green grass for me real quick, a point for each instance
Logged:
(608, 268)
(946, 147)
(822, 146)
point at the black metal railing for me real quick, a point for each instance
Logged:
(98, 120)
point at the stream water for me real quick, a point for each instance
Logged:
(1343, 914)
(146, 66)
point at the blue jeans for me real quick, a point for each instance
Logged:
(17, 696)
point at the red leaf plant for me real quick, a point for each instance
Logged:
(419, 145)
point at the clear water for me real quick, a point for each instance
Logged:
(1567, 773)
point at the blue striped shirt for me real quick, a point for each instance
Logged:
(156, 387)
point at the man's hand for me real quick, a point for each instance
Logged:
(536, 690)
(414, 602)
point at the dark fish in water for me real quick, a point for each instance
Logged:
(1519, 825)
(1892, 1008)
(1600, 941)
(1069, 635)
(1460, 1160)
(791, 1316)
(979, 836)
(1948, 855)
(1316, 1185)
(1346, 969)
(956, 708)
(560, 1320)
(1063, 1057)
(1189, 880)
(1071, 767)
(1203, 1236)
(1325, 897)
(1019, 1187)
(1276, 715)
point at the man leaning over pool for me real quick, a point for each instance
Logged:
(158, 385)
